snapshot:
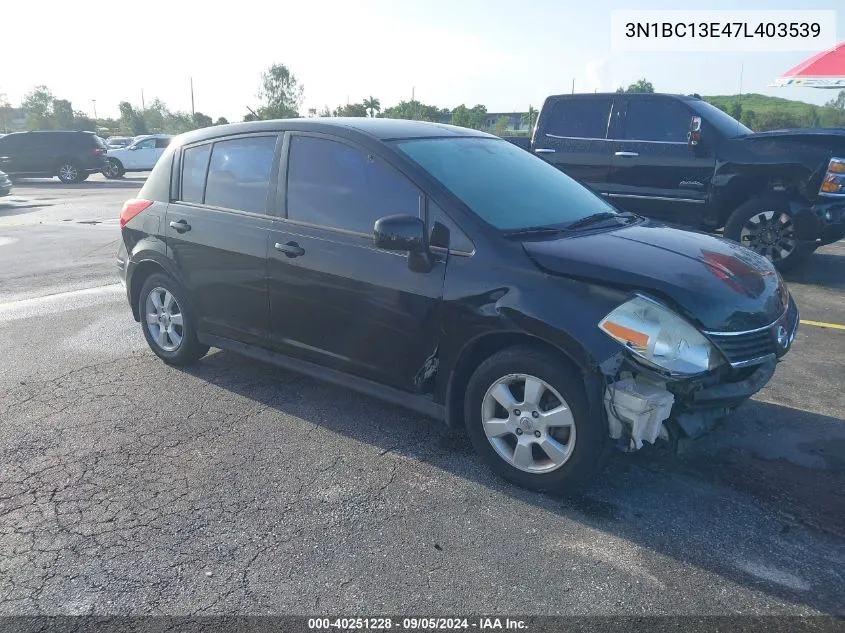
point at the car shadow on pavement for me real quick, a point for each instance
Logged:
(822, 269)
(711, 506)
(122, 183)
(7, 210)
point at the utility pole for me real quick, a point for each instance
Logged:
(143, 106)
(741, 69)
(94, 101)
(193, 112)
(573, 85)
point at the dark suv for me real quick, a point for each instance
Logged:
(71, 156)
(448, 271)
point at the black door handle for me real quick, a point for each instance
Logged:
(291, 249)
(181, 226)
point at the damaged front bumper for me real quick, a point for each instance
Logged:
(643, 407)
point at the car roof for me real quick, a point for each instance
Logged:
(629, 95)
(377, 128)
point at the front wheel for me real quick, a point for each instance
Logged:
(168, 322)
(767, 228)
(527, 416)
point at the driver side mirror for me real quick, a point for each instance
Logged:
(404, 233)
(132, 148)
(694, 134)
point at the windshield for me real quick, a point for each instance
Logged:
(503, 184)
(722, 121)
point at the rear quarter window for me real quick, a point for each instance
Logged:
(194, 167)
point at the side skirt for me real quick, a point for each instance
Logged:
(414, 402)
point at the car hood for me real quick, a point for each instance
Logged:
(717, 283)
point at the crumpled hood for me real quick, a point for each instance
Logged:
(718, 283)
(808, 133)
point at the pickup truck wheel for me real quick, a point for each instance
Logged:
(527, 416)
(766, 227)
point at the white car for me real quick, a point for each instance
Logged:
(140, 155)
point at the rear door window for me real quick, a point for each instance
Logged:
(239, 173)
(658, 120)
(580, 118)
(194, 167)
(147, 143)
(335, 185)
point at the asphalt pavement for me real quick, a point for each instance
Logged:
(130, 487)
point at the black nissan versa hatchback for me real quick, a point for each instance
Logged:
(451, 272)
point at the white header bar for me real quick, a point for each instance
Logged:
(720, 31)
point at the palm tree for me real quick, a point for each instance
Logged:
(372, 105)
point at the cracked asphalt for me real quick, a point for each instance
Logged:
(128, 487)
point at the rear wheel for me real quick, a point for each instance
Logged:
(168, 322)
(767, 228)
(68, 172)
(527, 416)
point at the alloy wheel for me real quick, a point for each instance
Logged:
(528, 423)
(68, 173)
(164, 319)
(771, 234)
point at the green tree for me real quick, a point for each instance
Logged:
(502, 125)
(749, 119)
(38, 107)
(529, 118)
(351, 109)
(324, 112)
(414, 111)
(62, 114)
(838, 102)
(83, 122)
(775, 121)
(5, 113)
(202, 120)
(469, 117)
(372, 105)
(641, 85)
(221, 121)
(280, 92)
(810, 118)
(736, 110)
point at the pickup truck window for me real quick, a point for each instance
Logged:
(724, 123)
(580, 118)
(657, 120)
(502, 184)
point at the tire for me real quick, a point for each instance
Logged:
(765, 226)
(113, 169)
(581, 439)
(178, 344)
(68, 172)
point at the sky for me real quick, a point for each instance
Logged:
(506, 55)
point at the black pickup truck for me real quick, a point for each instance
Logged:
(683, 161)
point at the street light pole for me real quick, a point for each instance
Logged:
(94, 101)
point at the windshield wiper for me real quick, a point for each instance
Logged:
(598, 217)
(534, 230)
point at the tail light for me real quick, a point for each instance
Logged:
(98, 151)
(131, 208)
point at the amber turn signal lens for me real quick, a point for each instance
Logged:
(836, 167)
(830, 185)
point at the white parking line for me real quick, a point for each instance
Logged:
(60, 302)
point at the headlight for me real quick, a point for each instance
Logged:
(834, 180)
(658, 336)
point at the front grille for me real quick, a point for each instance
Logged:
(742, 348)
